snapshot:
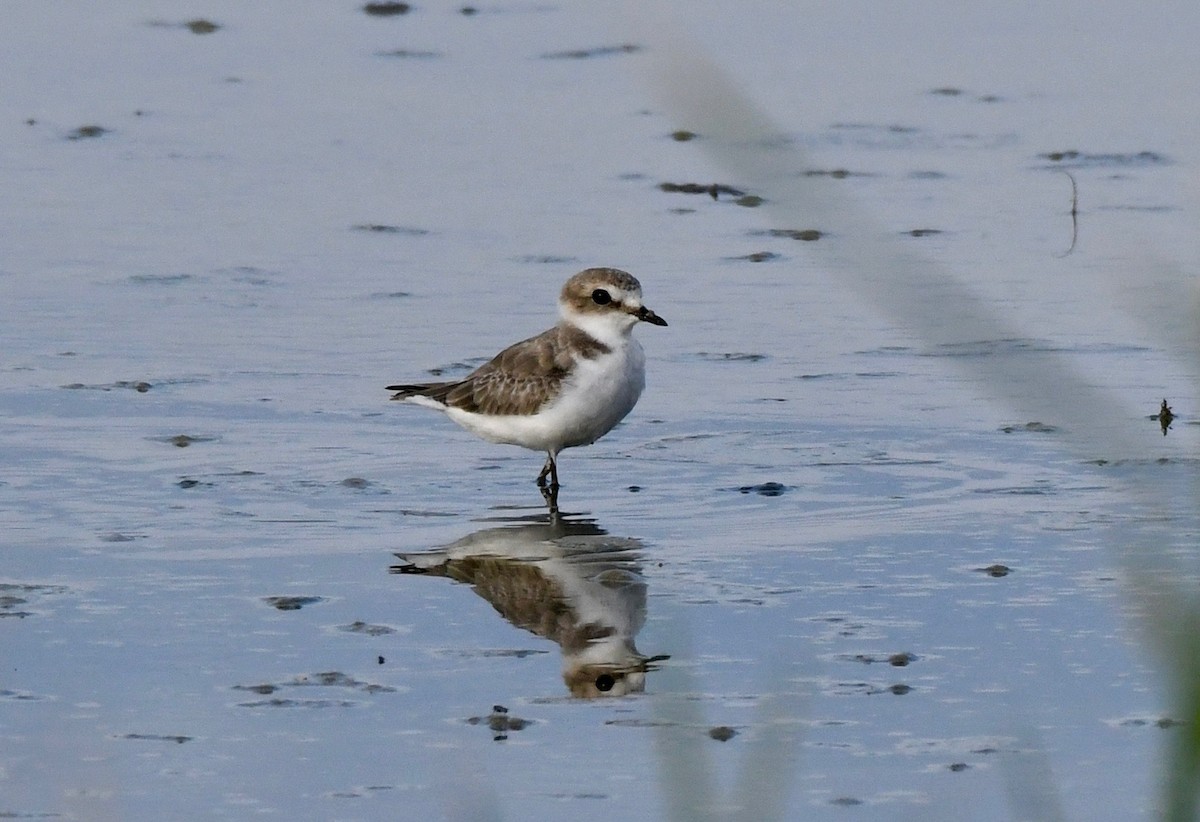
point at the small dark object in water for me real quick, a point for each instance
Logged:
(806, 235)
(766, 489)
(713, 189)
(722, 733)
(201, 26)
(956, 767)
(901, 659)
(584, 54)
(386, 9)
(683, 135)
(996, 570)
(500, 722)
(86, 132)
(290, 603)
(900, 689)
(834, 173)
(1164, 416)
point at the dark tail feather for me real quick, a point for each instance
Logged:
(434, 390)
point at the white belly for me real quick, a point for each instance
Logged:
(595, 398)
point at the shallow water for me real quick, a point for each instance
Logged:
(887, 581)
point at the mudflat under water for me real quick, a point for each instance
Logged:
(887, 537)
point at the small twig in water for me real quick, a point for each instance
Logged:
(1074, 214)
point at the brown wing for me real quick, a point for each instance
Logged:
(519, 380)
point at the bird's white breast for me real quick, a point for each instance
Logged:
(597, 395)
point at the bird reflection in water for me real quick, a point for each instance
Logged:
(566, 581)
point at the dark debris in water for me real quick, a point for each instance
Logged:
(325, 679)
(14, 595)
(182, 440)
(1083, 159)
(140, 386)
(835, 173)
(899, 660)
(641, 722)
(159, 279)
(683, 135)
(996, 570)
(1164, 417)
(585, 54)
(196, 26)
(722, 733)
(1163, 723)
(807, 235)
(758, 257)
(500, 722)
(87, 132)
(924, 232)
(9, 695)
(383, 228)
(728, 356)
(1032, 427)
(360, 627)
(714, 190)
(292, 603)
(201, 26)
(386, 9)
(178, 739)
(955, 91)
(337, 679)
(278, 702)
(765, 489)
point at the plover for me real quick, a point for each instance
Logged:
(566, 387)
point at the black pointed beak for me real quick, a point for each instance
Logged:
(646, 315)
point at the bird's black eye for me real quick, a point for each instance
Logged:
(605, 682)
(601, 297)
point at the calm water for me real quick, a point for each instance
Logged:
(863, 550)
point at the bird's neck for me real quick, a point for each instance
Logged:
(600, 328)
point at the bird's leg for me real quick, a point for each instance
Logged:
(549, 469)
(550, 497)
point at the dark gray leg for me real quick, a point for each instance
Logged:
(549, 469)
